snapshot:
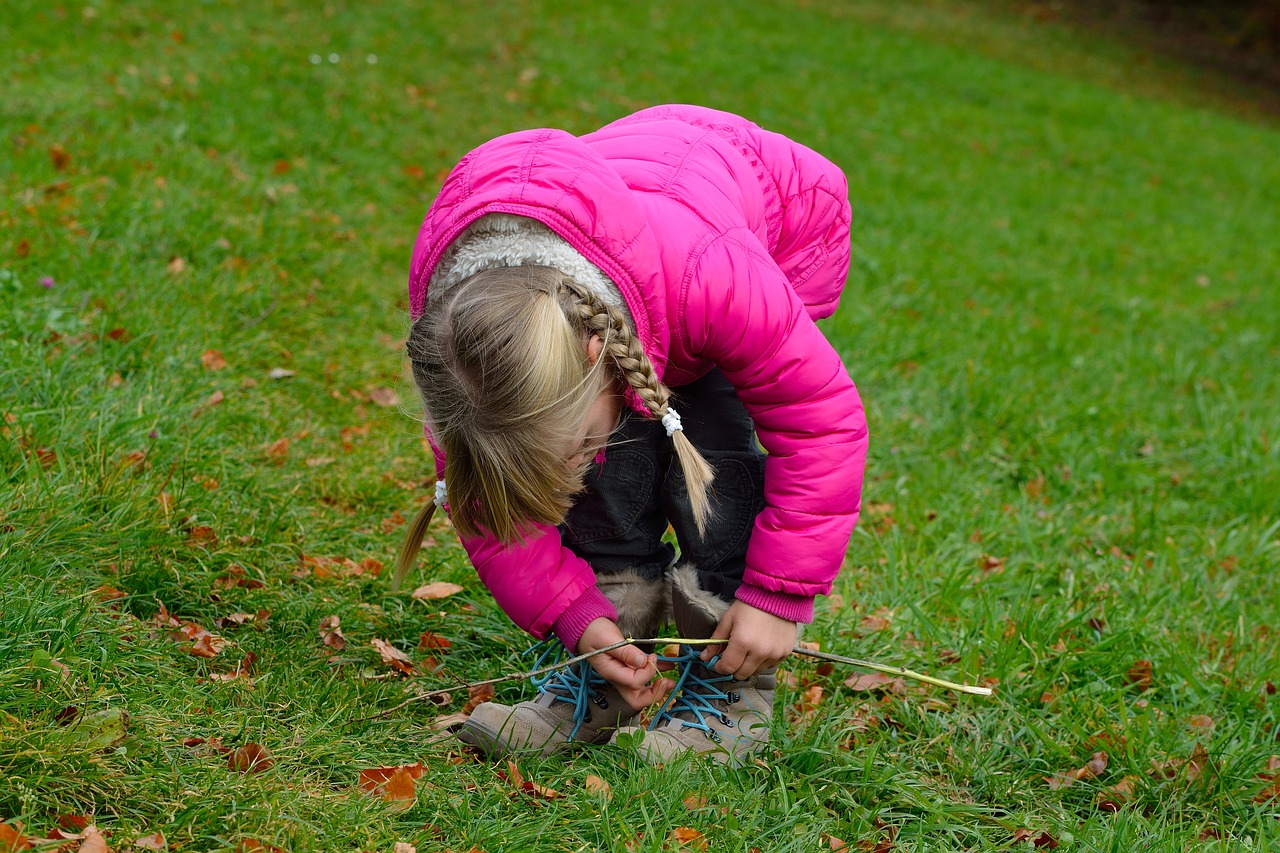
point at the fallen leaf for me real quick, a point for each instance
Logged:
(393, 657)
(252, 845)
(437, 589)
(202, 534)
(1139, 675)
(526, 786)
(394, 783)
(1091, 770)
(59, 157)
(403, 847)
(93, 842)
(876, 682)
(278, 450)
(476, 696)
(212, 360)
(331, 634)
(250, 758)
(837, 845)
(176, 265)
(596, 785)
(155, 841)
(685, 836)
(1037, 837)
(1200, 721)
(1111, 798)
(429, 641)
(11, 838)
(384, 396)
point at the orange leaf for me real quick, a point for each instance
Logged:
(1139, 675)
(59, 156)
(155, 841)
(176, 265)
(477, 695)
(596, 785)
(1111, 798)
(437, 589)
(278, 450)
(202, 534)
(393, 657)
(12, 839)
(685, 836)
(212, 360)
(429, 640)
(392, 783)
(93, 842)
(331, 634)
(250, 758)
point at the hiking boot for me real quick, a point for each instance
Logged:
(574, 706)
(707, 713)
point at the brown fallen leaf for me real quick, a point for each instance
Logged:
(437, 589)
(384, 397)
(523, 785)
(477, 695)
(837, 845)
(278, 450)
(1038, 838)
(1140, 675)
(1111, 798)
(11, 838)
(392, 783)
(1091, 770)
(685, 836)
(59, 157)
(429, 641)
(596, 785)
(250, 758)
(876, 682)
(393, 657)
(154, 841)
(92, 841)
(212, 360)
(331, 634)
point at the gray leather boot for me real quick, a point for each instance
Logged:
(708, 714)
(574, 705)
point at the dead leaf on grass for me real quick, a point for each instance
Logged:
(250, 758)
(685, 836)
(384, 397)
(331, 634)
(212, 359)
(393, 784)
(1091, 770)
(154, 841)
(393, 657)
(436, 589)
(477, 695)
(1140, 675)
(596, 785)
(876, 682)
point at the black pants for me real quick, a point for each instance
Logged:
(617, 524)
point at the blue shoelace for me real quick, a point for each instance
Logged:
(693, 694)
(573, 684)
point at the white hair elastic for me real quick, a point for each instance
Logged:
(442, 493)
(671, 420)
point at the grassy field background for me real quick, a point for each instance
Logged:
(1063, 316)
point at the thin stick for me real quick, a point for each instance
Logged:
(902, 672)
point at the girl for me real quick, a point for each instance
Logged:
(603, 328)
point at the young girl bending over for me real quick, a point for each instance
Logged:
(607, 328)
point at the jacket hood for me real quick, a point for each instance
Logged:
(555, 178)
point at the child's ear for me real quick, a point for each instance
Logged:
(595, 346)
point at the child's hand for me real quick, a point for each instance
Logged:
(626, 668)
(756, 641)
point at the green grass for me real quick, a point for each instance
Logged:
(1063, 316)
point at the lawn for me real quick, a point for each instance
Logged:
(1063, 316)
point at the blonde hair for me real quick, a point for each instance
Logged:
(502, 367)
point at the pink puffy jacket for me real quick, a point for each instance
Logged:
(727, 242)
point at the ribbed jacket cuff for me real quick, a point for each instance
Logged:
(587, 608)
(784, 605)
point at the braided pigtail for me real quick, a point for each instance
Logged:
(623, 348)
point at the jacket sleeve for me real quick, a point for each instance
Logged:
(738, 310)
(542, 586)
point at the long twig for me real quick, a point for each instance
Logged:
(902, 672)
